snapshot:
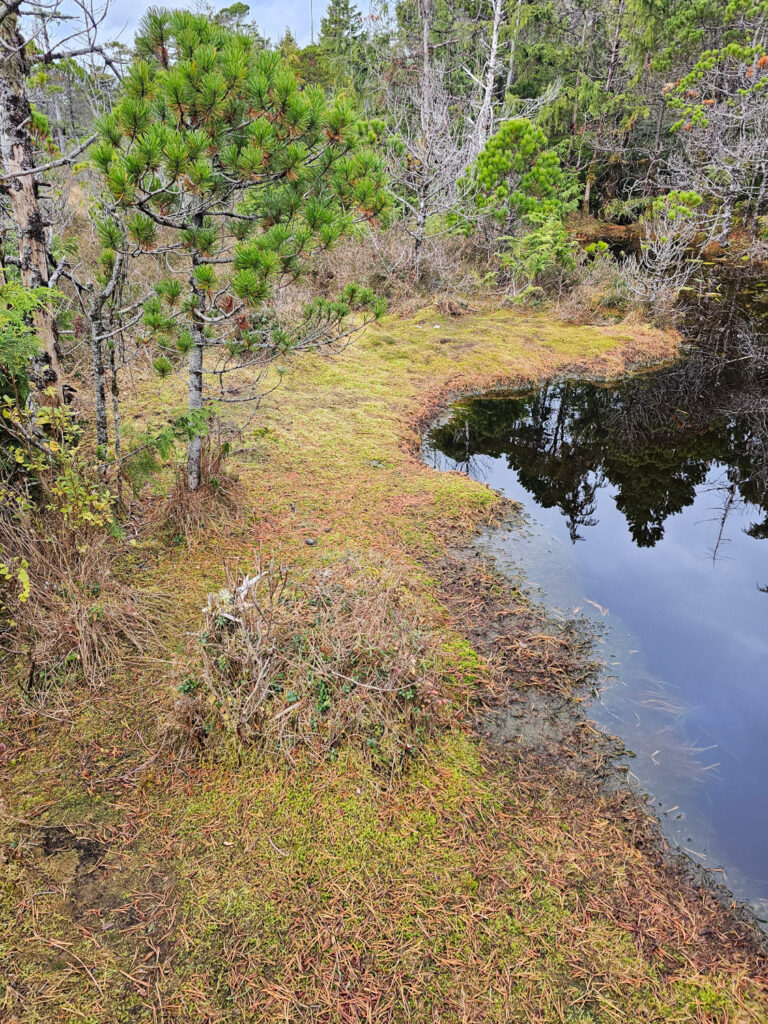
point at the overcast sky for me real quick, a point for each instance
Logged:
(272, 18)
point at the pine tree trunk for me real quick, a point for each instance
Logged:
(196, 356)
(115, 389)
(99, 386)
(194, 447)
(18, 156)
(98, 333)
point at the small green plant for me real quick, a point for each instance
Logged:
(48, 458)
(527, 257)
(15, 586)
(189, 686)
(18, 343)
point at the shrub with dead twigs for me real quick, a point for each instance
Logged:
(343, 659)
(64, 615)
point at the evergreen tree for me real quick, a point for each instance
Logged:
(341, 28)
(341, 35)
(287, 46)
(235, 17)
(517, 179)
(213, 144)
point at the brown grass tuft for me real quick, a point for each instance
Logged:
(343, 658)
(184, 514)
(79, 619)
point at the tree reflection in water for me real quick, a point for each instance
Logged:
(654, 438)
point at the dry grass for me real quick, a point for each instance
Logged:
(599, 294)
(181, 514)
(344, 657)
(384, 261)
(80, 621)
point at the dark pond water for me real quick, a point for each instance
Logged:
(647, 512)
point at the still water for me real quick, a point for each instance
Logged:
(646, 511)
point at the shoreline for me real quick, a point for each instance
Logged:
(558, 717)
(467, 882)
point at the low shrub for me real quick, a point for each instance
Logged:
(64, 616)
(342, 659)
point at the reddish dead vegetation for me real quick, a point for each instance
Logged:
(364, 949)
(343, 657)
(521, 646)
(616, 867)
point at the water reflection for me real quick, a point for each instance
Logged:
(654, 439)
(649, 514)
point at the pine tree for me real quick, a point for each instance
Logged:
(518, 180)
(213, 144)
(287, 46)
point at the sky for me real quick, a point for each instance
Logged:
(272, 18)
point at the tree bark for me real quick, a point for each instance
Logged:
(115, 389)
(421, 223)
(485, 114)
(196, 358)
(194, 446)
(95, 312)
(18, 155)
(99, 385)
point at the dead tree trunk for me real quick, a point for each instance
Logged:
(20, 186)
(484, 128)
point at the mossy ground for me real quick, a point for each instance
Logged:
(140, 885)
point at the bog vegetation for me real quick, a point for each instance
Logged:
(190, 215)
